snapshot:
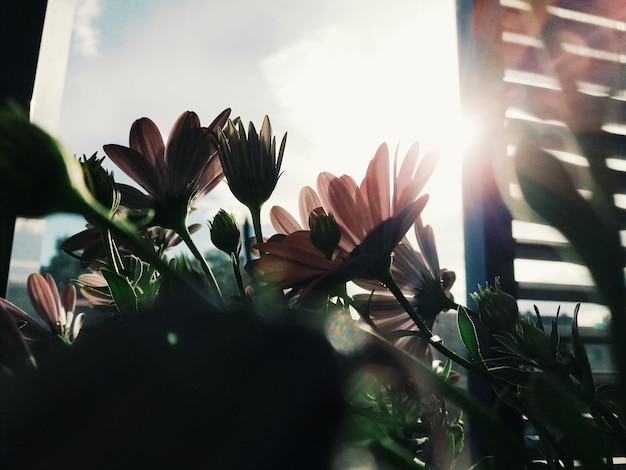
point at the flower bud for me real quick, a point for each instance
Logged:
(251, 162)
(226, 233)
(498, 310)
(325, 234)
(100, 183)
(534, 341)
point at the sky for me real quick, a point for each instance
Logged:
(340, 77)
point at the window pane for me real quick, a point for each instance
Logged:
(339, 77)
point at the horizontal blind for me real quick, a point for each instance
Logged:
(563, 90)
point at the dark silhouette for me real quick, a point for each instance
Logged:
(179, 386)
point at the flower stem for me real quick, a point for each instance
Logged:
(433, 340)
(237, 271)
(256, 223)
(127, 233)
(183, 232)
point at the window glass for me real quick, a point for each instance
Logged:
(340, 77)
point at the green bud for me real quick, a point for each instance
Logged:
(325, 234)
(534, 341)
(226, 233)
(498, 310)
(100, 182)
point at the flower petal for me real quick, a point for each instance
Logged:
(77, 324)
(409, 182)
(145, 138)
(32, 329)
(187, 152)
(428, 247)
(211, 175)
(137, 167)
(339, 198)
(308, 201)
(43, 299)
(283, 221)
(376, 186)
(68, 300)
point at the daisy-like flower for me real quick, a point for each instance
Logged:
(251, 164)
(359, 208)
(56, 312)
(175, 175)
(293, 261)
(419, 277)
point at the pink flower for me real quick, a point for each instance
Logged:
(55, 311)
(293, 260)
(359, 208)
(175, 174)
(418, 275)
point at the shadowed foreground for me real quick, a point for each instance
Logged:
(179, 387)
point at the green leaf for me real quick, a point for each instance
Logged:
(513, 375)
(511, 346)
(555, 338)
(469, 336)
(509, 360)
(446, 370)
(539, 322)
(594, 233)
(549, 190)
(122, 292)
(555, 406)
(486, 463)
(582, 371)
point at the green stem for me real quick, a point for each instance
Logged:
(183, 232)
(127, 233)
(433, 340)
(508, 446)
(256, 223)
(237, 271)
(112, 254)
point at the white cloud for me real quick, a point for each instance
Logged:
(86, 37)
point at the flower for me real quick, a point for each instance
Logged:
(359, 208)
(56, 312)
(226, 233)
(250, 163)
(293, 261)
(325, 234)
(100, 183)
(498, 310)
(419, 277)
(176, 174)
